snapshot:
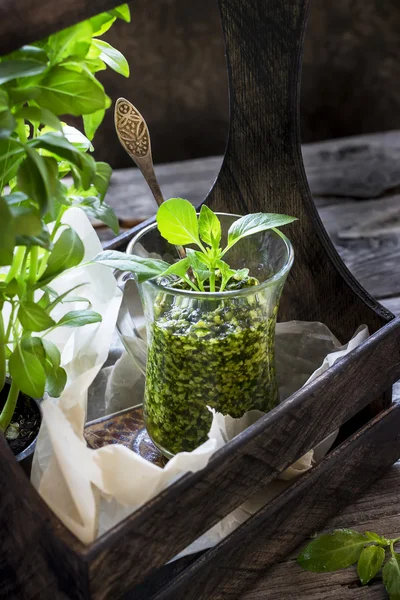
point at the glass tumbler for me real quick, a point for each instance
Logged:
(205, 350)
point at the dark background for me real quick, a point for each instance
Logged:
(350, 85)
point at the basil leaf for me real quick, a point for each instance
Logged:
(34, 318)
(40, 115)
(34, 346)
(142, 268)
(52, 352)
(43, 240)
(370, 562)
(27, 372)
(7, 123)
(67, 92)
(27, 220)
(391, 577)
(11, 155)
(102, 177)
(112, 57)
(32, 52)
(179, 268)
(122, 12)
(254, 223)
(33, 178)
(55, 381)
(44, 300)
(4, 100)
(68, 252)
(200, 270)
(101, 211)
(177, 222)
(209, 227)
(102, 23)
(374, 537)
(77, 318)
(332, 551)
(16, 198)
(73, 41)
(92, 122)
(7, 234)
(76, 138)
(58, 144)
(15, 69)
(62, 297)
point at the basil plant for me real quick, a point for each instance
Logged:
(45, 167)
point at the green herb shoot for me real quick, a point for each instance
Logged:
(203, 269)
(345, 547)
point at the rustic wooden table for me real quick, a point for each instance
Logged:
(356, 186)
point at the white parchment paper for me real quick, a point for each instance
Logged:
(92, 490)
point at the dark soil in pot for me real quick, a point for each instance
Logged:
(22, 433)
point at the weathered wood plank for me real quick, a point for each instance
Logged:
(158, 531)
(245, 555)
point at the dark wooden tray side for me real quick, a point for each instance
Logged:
(262, 170)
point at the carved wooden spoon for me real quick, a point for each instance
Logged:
(134, 136)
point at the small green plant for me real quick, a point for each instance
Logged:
(179, 224)
(345, 547)
(45, 168)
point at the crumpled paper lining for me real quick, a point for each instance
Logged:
(92, 490)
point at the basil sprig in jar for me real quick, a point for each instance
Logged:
(210, 327)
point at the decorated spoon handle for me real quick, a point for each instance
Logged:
(134, 136)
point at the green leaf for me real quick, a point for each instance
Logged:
(142, 268)
(101, 180)
(11, 155)
(78, 318)
(94, 65)
(33, 178)
(67, 92)
(39, 115)
(209, 227)
(177, 222)
(179, 268)
(374, 537)
(27, 220)
(391, 577)
(58, 144)
(55, 381)
(199, 268)
(7, 234)
(254, 223)
(4, 100)
(43, 240)
(15, 69)
(101, 211)
(34, 318)
(7, 123)
(12, 288)
(332, 551)
(52, 353)
(68, 252)
(102, 23)
(92, 122)
(77, 139)
(226, 273)
(122, 12)
(71, 42)
(44, 300)
(370, 562)
(27, 372)
(112, 57)
(62, 297)
(30, 52)
(34, 346)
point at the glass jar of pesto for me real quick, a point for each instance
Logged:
(206, 350)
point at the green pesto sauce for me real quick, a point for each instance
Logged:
(219, 354)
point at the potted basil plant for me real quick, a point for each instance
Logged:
(38, 84)
(210, 316)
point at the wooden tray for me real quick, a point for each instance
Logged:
(262, 170)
